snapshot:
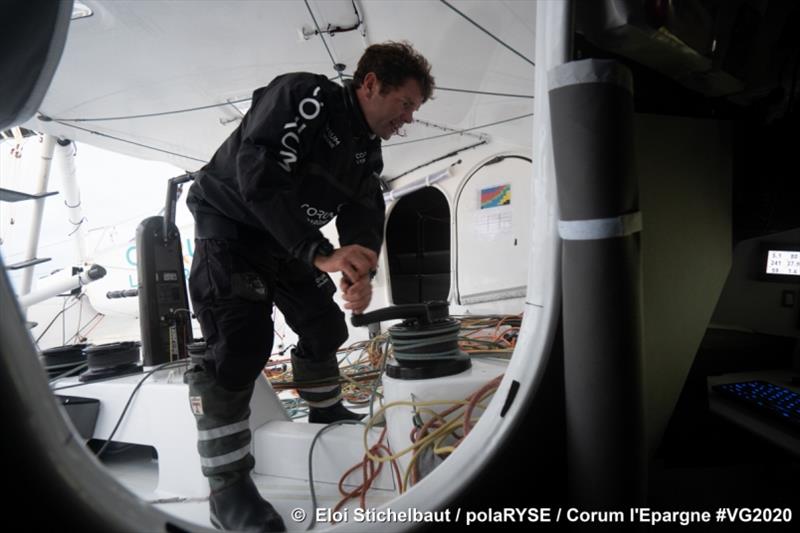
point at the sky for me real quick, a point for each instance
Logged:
(117, 192)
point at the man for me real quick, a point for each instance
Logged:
(307, 151)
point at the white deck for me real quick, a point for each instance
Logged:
(155, 453)
(135, 469)
(155, 449)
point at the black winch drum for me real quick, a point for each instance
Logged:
(61, 355)
(111, 360)
(427, 351)
(425, 343)
(61, 359)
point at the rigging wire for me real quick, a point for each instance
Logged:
(120, 139)
(487, 32)
(468, 91)
(232, 103)
(433, 125)
(485, 93)
(458, 132)
(338, 67)
(63, 310)
(451, 154)
(81, 335)
(156, 114)
(64, 321)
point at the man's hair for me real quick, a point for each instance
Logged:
(394, 63)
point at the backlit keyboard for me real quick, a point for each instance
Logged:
(780, 402)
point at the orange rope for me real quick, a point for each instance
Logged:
(369, 473)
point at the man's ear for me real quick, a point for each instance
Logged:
(372, 85)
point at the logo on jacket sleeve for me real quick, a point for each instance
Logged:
(331, 138)
(308, 109)
(196, 403)
(317, 216)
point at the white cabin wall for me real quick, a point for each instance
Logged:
(493, 234)
(450, 187)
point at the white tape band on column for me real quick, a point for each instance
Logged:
(590, 71)
(600, 228)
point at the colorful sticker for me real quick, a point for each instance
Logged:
(496, 196)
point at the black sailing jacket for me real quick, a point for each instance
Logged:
(302, 155)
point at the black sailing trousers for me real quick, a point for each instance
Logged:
(233, 285)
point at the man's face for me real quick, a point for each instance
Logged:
(387, 113)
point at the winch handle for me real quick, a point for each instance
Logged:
(174, 187)
(426, 313)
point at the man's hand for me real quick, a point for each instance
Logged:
(357, 295)
(353, 261)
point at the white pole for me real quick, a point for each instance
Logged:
(427, 181)
(57, 284)
(65, 162)
(48, 145)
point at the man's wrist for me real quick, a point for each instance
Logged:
(320, 248)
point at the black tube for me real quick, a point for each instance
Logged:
(591, 106)
(172, 198)
(126, 293)
(96, 272)
(425, 313)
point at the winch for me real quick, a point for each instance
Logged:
(425, 343)
(111, 360)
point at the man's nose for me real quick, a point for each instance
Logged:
(408, 118)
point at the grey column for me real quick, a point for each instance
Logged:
(591, 107)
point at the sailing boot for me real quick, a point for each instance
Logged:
(223, 440)
(334, 413)
(318, 385)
